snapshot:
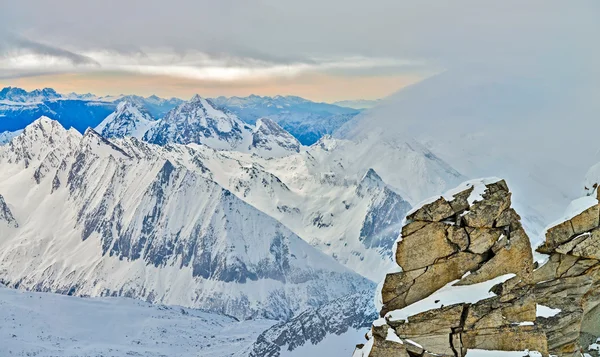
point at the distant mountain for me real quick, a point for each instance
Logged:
(199, 121)
(157, 107)
(120, 217)
(306, 120)
(272, 140)
(129, 119)
(19, 108)
(18, 95)
(358, 104)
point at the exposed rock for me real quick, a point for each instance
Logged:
(483, 239)
(432, 212)
(424, 247)
(553, 309)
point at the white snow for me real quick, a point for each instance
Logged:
(51, 325)
(545, 311)
(449, 295)
(391, 336)
(332, 345)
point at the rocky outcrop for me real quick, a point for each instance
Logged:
(468, 281)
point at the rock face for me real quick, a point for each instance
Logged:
(468, 281)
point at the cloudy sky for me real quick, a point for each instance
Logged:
(321, 49)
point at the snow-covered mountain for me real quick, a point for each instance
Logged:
(129, 119)
(354, 218)
(271, 140)
(51, 325)
(199, 121)
(18, 95)
(306, 120)
(122, 217)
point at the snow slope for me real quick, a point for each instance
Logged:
(50, 325)
(354, 218)
(126, 218)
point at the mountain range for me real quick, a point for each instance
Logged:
(306, 120)
(147, 221)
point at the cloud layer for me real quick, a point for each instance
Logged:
(233, 40)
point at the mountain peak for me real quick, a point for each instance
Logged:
(129, 119)
(196, 98)
(269, 136)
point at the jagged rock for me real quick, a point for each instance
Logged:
(432, 212)
(483, 239)
(459, 236)
(506, 338)
(559, 234)
(424, 247)
(553, 309)
(514, 258)
(586, 220)
(484, 213)
(405, 288)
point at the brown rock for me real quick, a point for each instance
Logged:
(484, 213)
(412, 227)
(506, 338)
(402, 289)
(432, 212)
(424, 247)
(482, 239)
(396, 285)
(460, 201)
(384, 348)
(509, 218)
(515, 258)
(586, 220)
(458, 236)
(589, 247)
(559, 234)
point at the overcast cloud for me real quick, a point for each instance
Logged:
(233, 39)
